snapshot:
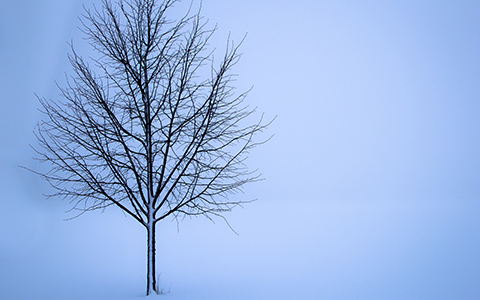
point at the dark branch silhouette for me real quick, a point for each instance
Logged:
(153, 125)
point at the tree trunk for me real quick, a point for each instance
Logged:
(151, 252)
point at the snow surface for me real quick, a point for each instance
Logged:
(340, 250)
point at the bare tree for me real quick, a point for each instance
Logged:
(152, 125)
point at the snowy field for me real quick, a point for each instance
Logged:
(284, 250)
(372, 186)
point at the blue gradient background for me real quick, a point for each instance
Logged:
(372, 186)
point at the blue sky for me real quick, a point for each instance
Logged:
(372, 186)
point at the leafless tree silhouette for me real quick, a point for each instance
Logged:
(153, 124)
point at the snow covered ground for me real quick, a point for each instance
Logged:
(285, 250)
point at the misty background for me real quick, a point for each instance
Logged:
(372, 186)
